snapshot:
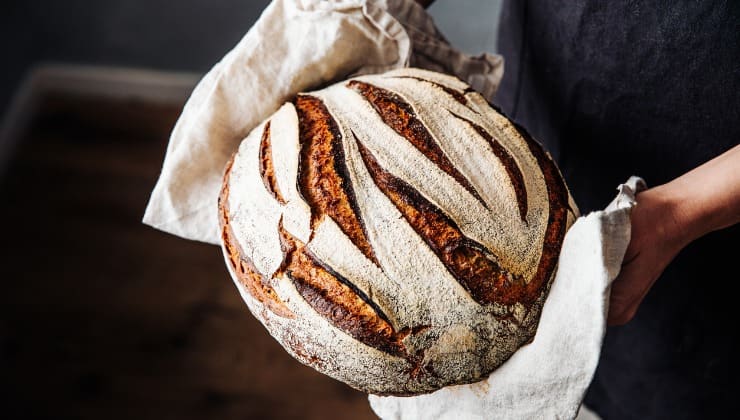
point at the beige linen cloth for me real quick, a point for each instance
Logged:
(295, 46)
(301, 45)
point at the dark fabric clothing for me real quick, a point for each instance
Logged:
(615, 88)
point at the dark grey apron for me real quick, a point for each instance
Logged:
(615, 88)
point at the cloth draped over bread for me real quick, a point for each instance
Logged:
(295, 46)
(301, 45)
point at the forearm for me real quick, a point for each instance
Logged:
(666, 219)
(704, 199)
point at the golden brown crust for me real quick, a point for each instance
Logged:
(400, 116)
(557, 223)
(485, 280)
(243, 268)
(512, 169)
(323, 178)
(267, 170)
(335, 298)
(343, 305)
(397, 324)
(458, 96)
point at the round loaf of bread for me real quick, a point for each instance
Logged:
(394, 231)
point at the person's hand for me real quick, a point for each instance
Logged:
(669, 217)
(656, 239)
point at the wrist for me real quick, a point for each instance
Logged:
(669, 215)
(706, 198)
(687, 215)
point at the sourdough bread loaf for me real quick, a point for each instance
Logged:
(394, 231)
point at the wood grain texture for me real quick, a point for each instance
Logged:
(105, 318)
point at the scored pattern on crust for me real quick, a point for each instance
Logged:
(323, 179)
(515, 174)
(267, 169)
(466, 259)
(400, 116)
(401, 234)
(336, 298)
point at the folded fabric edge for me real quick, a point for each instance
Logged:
(611, 222)
(176, 226)
(166, 211)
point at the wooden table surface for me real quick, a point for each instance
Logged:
(105, 318)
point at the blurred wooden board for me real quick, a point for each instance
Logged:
(105, 318)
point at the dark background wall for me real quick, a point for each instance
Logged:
(187, 35)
